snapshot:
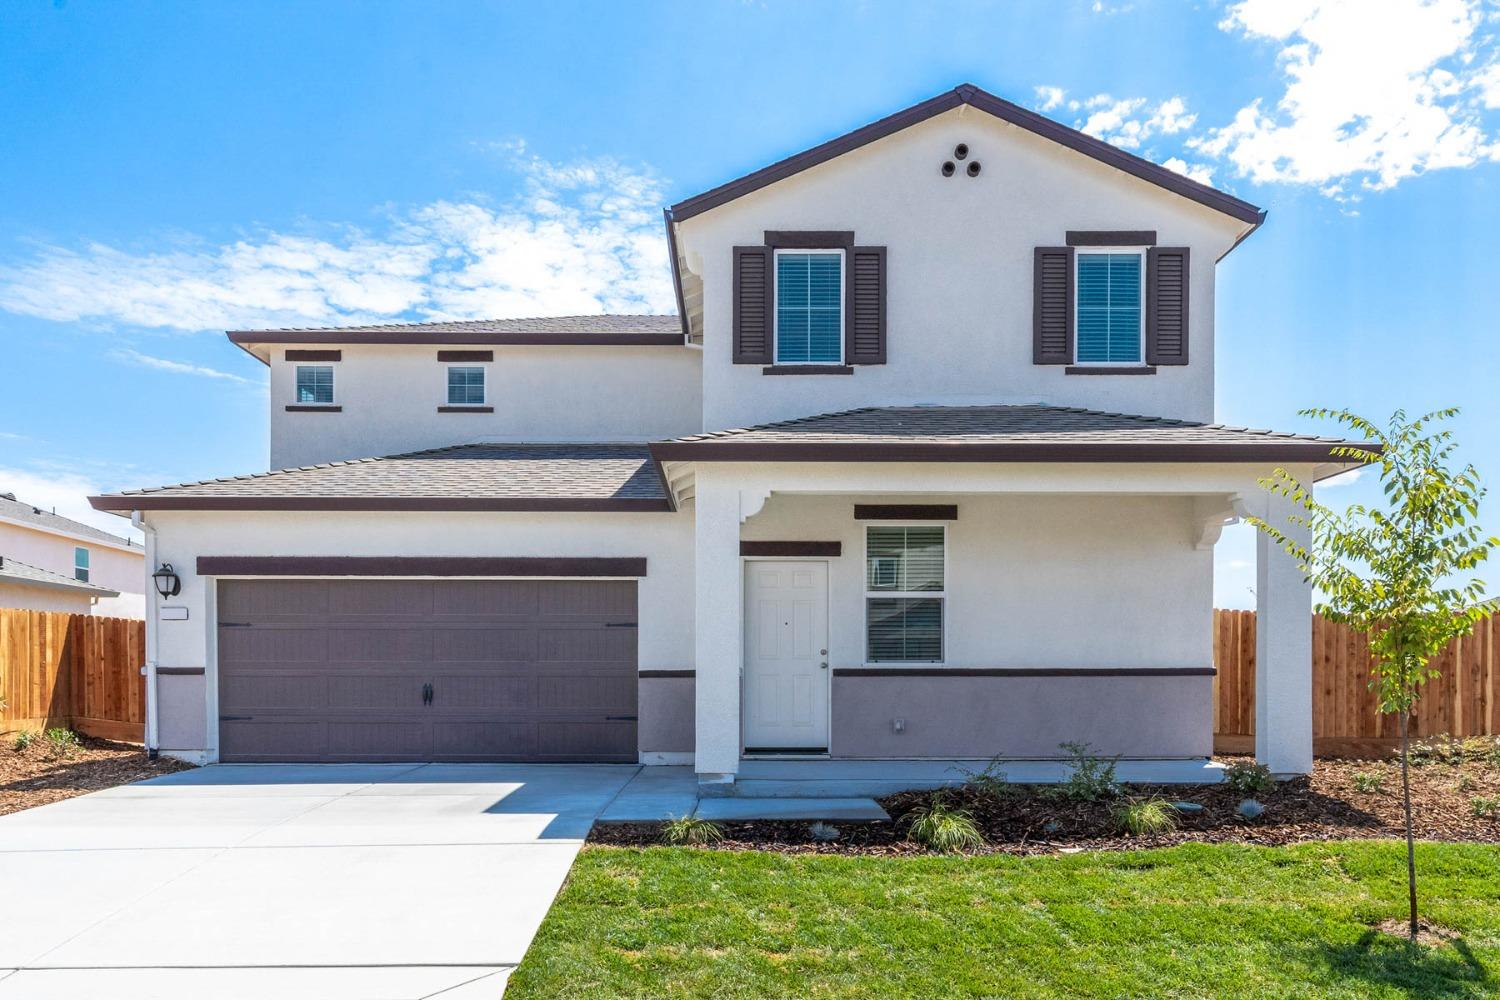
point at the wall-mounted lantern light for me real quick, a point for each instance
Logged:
(167, 582)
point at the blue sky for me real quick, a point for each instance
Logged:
(171, 170)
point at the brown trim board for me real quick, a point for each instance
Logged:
(808, 370)
(1111, 238)
(809, 239)
(301, 408)
(1102, 370)
(356, 336)
(420, 566)
(315, 355)
(180, 671)
(1260, 450)
(127, 502)
(1023, 672)
(906, 512)
(451, 356)
(791, 548)
(666, 215)
(664, 674)
(466, 409)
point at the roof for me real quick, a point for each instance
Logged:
(18, 572)
(495, 477)
(550, 331)
(1017, 433)
(33, 516)
(1219, 201)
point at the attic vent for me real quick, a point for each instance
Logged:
(7, 496)
(948, 168)
(961, 151)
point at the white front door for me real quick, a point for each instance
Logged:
(786, 656)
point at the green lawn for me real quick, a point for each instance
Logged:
(1193, 921)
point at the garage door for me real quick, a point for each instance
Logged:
(456, 670)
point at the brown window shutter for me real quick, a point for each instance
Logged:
(864, 327)
(752, 305)
(1052, 306)
(1167, 277)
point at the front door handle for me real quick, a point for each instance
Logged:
(824, 664)
(427, 694)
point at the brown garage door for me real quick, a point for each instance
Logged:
(371, 670)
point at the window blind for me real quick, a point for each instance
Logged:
(902, 564)
(465, 386)
(809, 307)
(1109, 308)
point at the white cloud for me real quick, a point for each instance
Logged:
(1129, 122)
(1374, 93)
(179, 367)
(1048, 98)
(581, 237)
(65, 492)
(1194, 171)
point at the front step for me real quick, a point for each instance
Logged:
(845, 810)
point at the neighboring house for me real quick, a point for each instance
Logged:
(924, 468)
(54, 563)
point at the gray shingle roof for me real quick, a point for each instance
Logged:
(19, 572)
(19, 510)
(621, 324)
(462, 477)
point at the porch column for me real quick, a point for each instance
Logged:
(1283, 648)
(718, 630)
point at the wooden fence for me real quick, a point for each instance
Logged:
(1463, 701)
(78, 671)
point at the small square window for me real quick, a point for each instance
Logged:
(465, 386)
(81, 564)
(315, 384)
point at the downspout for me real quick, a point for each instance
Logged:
(153, 622)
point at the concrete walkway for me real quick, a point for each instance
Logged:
(377, 882)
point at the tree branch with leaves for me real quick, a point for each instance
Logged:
(1400, 572)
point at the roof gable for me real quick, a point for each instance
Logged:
(1014, 114)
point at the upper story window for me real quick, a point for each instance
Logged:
(315, 384)
(465, 386)
(81, 564)
(809, 306)
(1110, 293)
(904, 593)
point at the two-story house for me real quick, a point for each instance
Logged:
(53, 563)
(925, 467)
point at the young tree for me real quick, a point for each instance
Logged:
(1398, 572)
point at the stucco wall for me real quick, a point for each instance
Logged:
(110, 567)
(959, 292)
(16, 595)
(390, 396)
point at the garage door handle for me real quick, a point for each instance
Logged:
(235, 718)
(621, 625)
(620, 718)
(427, 694)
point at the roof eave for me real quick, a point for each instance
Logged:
(123, 502)
(352, 337)
(81, 588)
(974, 451)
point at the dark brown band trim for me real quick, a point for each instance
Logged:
(1260, 450)
(418, 566)
(353, 337)
(1111, 238)
(466, 409)
(466, 355)
(179, 671)
(791, 548)
(125, 502)
(809, 239)
(1101, 370)
(1024, 672)
(301, 408)
(906, 512)
(662, 674)
(315, 355)
(807, 370)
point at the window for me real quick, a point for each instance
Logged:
(904, 594)
(809, 306)
(315, 383)
(465, 386)
(1109, 329)
(81, 564)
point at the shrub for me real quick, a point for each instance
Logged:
(823, 833)
(1485, 806)
(1090, 778)
(1251, 809)
(990, 782)
(1249, 778)
(25, 739)
(1369, 782)
(1445, 749)
(1464, 783)
(939, 828)
(1148, 816)
(61, 742)
(691, 830)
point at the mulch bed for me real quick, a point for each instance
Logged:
(38, 774)
(1324, 806)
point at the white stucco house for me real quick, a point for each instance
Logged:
(53, 563)
(925, 467)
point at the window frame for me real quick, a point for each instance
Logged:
(940, 595)
(333, 386)
(776, 255)
(84, 567)
(1078, 254)
(484, 384)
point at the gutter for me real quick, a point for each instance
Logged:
(153, 640)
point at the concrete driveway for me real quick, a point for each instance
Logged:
(381, 882)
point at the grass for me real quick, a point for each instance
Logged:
(691, 830)
(942, 829)
(1148, 816)
(1192, 921)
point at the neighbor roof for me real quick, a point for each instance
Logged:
(34, 576)
(31, 515)
(1025, 433)
(608, 330)
(520, 477)
(971, 95)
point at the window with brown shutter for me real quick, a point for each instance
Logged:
(864, 329)
(1167, 275)
(1052, 306)
(752, 305)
